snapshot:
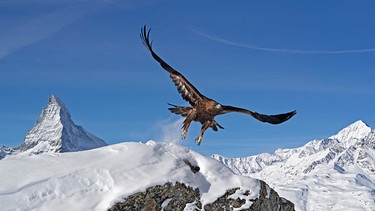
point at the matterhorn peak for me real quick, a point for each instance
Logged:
(52, 100)
(55, 110)
(54, 131)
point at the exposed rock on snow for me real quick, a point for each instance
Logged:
(54, 131)
(167, 197)
(179, 197)
(341, 165)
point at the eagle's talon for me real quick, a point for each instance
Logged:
(199, 140)
(183, 135)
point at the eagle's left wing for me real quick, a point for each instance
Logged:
(184, 87)
(273, 119)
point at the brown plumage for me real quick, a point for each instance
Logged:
(203, 109)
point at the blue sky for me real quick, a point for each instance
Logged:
(268, 56)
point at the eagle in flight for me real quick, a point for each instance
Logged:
(203, 109)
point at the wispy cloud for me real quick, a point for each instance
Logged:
(171, 130)
(42, 27)
(280, 50)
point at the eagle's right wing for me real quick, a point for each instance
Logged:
(184, 87)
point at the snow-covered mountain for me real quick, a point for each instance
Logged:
(97, 179)
(336, 173)
(54, 131)
(4, 150)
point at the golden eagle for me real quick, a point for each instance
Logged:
(203, 109)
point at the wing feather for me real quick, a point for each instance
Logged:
(273, 119)
(184, 87)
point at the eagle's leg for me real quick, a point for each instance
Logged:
(204, 128)
(185, 128)
(190, 117)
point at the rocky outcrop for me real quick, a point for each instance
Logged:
(177, 197)
(169, 197)
(270, 200)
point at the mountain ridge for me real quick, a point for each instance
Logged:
(346, 159)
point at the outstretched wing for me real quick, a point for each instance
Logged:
(273, 119)
(184, 87)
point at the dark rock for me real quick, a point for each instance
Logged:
(193, 168)
(270, 200)
(175, 198)
(153, 198)
(226, 203)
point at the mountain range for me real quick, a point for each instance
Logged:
(60, 165)
(334, 173)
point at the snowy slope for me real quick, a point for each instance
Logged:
(96, 179)
(337, 173)
(54, 131)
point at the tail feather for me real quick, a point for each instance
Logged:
(180, 110)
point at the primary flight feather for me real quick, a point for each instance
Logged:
(203, 109)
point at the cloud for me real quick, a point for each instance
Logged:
(280, 50)
(42, 27)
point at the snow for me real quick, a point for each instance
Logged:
(336, 173)
(95, 179)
